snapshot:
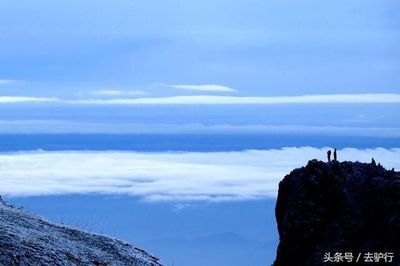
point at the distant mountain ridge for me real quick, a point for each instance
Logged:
(27, 239)
(330, 209)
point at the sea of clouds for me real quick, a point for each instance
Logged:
(166, 176)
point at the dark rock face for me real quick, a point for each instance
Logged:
(27, 239)
(338, 207)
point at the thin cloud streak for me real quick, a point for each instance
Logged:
(117, 92)
(26, 99)
(59, 126)
(166, 176)
(203, 87)
(221, 100)
(377, 98)
(8, 81)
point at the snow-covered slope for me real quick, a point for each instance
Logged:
(27, 239)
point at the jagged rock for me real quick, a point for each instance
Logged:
(27, 239)
(338, 207)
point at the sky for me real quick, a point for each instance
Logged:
(124, 48)
(301, 68)
(61, 60)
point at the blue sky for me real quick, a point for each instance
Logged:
(255, 47)
(70, 57)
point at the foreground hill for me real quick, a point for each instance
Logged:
(339, 213)
(27, 239)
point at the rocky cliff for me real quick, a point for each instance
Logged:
(339, 213)
(27, 239)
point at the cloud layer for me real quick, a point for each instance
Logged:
(204, 87)
(26, 99)
(166, 176)
(212, 99)
(61, 126)
(7, 81)
(114, 92)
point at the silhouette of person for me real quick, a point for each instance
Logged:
(329, 155)
(335, 155)
(373, 161)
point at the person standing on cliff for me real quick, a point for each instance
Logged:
(329, 155)
(335, 155)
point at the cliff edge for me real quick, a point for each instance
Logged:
(27, 239)
(339, 213)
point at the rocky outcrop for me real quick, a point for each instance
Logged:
(332, 209)
(27, 239)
